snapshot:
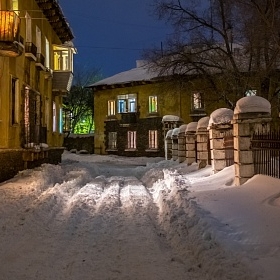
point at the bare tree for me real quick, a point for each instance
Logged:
(234, 45)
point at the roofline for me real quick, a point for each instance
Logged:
(53, 12)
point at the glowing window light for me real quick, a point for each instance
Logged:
(9, 26)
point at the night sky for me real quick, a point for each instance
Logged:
(111, 35)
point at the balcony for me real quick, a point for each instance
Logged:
(30, 51)
(11, 44)
(40, 62)
(129, 118)
(62, 81)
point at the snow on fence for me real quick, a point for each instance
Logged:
(233, 139)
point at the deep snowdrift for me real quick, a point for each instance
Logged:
(111, 217)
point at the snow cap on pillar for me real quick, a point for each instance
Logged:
(191, 127)
(171, 118)
(169, 134)
(221, 116)
(202, 123)
(182, 128)
(252, 104)
(175, 132)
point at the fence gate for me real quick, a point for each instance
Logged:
(229, 149)
(266, 153)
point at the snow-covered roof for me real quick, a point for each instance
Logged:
(203, 123)
(140, 73)
(221, 116)
(191, 126)
(171, 118)
(250, 104)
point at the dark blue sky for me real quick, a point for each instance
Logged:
(110, 35)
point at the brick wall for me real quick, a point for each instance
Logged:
(142, 127)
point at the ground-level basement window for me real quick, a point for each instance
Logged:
(153, 139)
(112, 140)
(131, 140)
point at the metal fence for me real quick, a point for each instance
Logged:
(266, 153)
(229, 149)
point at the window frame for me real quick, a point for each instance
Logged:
(153, 102)
(129, 103)
(111, 108)
(153, 139)
(131, 140)
(250, 92)
(198, 101)
(112, 140)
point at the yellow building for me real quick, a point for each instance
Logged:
(134, 109)
(36, 70)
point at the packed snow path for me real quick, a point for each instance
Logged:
(83, 220)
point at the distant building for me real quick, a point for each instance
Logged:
(130, 109)
(36, 70)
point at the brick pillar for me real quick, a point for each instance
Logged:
(245, 123)
(191, 142)
(219, 126)
(218, 153)
(182, 143)
(202, 138)
(174, 138)
(168, 145)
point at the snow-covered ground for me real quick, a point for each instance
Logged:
(108, 217)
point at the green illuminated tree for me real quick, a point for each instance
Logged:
(78, 104)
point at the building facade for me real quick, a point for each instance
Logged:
(36, 70)
(133, 111)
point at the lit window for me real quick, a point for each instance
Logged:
(153, 139)
(61, 60)
(127, 103)
(152, 104)
(251, 92)
(131, 139)
(197, 100)
(15, 6)
(54, 117)
(14, 101)
(111, 108)
(60, 120)
(112, 141)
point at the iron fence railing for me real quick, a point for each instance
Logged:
(266, 153)
(229, 149)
